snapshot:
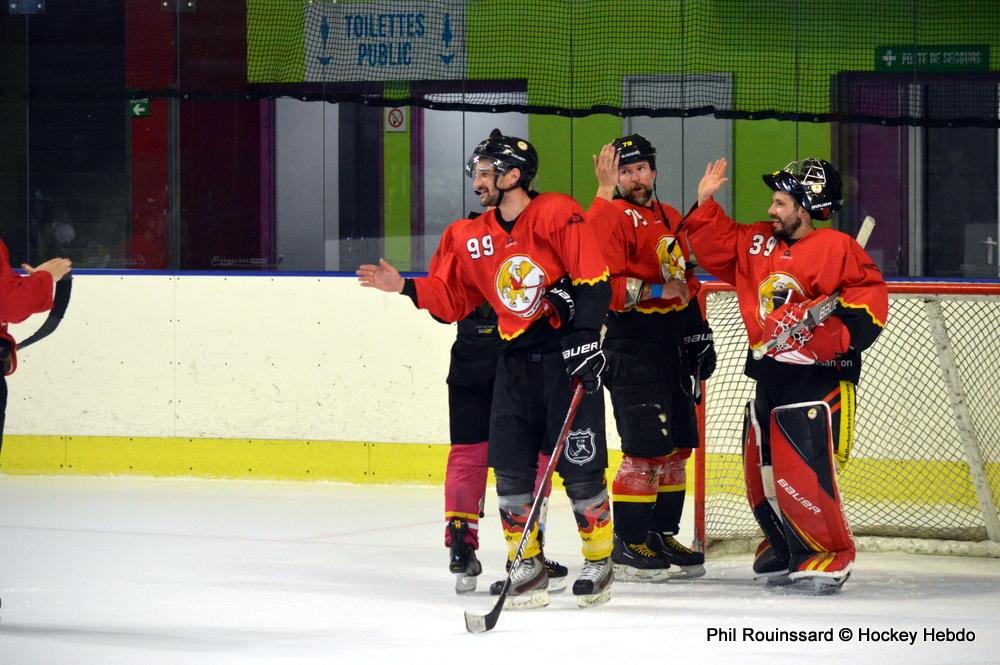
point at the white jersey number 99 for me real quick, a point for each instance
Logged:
(475, 251)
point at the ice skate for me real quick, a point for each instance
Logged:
(685, 562)
(770, 565)
(529, 585)
(465, 566)
(822, 573)
(558, 574)
(462, 557)
(593, 587)
(637, 562)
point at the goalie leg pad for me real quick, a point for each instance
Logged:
(465, 489)
(820, 541)
(772, 554)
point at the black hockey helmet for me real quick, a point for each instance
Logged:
(634, 148)
(504, 153)
(813, 183)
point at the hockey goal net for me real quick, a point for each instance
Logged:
(924, 473)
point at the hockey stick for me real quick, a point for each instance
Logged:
(480, 623)
(819, 312)
(64, 287)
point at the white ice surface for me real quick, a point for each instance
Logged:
(115, 571)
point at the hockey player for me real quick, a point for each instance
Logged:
(20, 297)
(470, 391)
(510, 256)
(798, 429)
(659, 350)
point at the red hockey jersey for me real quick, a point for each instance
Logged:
(640, 242)
(20, 297)
(477, 259)
(759, 265)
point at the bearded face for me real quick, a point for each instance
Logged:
(635, 183)
(786, 216)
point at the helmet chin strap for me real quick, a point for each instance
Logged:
(496, 183)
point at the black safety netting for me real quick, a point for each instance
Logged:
(850, 61)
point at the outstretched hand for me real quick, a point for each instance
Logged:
(58, 268)
(383, 277)
(606, 171)
(713, 180)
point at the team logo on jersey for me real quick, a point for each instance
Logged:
(580, 446)
(520, 284)
(774, 291)
(671, 258)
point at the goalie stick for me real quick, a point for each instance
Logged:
(480, 623)
(819, 312)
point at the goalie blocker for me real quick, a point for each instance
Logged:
(790, 469)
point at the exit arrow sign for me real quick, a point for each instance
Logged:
(139, 108)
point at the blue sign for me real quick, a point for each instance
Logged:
(383, 41)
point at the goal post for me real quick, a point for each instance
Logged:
(924, 473)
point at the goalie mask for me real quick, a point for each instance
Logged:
(635, 148)
(504, 153)
(813, 183)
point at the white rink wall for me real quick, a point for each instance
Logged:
(235, 356)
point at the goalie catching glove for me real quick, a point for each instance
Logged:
(584, 358)
(823, 343)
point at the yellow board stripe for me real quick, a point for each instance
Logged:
(913, 481)
(265, 459)
(864, 479)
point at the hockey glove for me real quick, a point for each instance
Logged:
(699, 348)
(557, 303)
(699, 351)
(584, 358)
(805, 347)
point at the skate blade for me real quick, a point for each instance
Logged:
(527, 601)
(686, 572)
(594, 599)
(818, 585)
(781, 579)
(557, 584)
(625, 573)
(824, 586)
(464, 583)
